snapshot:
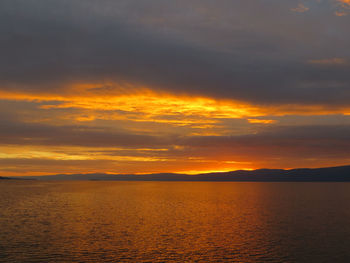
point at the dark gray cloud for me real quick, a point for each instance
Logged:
(250, 51)
(294, 142)
(19, 133)
(314, 140)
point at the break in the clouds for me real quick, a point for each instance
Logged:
(206, 85)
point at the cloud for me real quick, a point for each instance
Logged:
(274, 146)
(20, 133)
(261, 121)
(343, 6)
(339, 13)
(329, 61)
(49, 46)
(301, 8)
(344, 3)
(172, 85)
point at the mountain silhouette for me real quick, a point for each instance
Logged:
(329, 174)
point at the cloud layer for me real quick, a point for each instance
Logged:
(153, 86)
(193, 47)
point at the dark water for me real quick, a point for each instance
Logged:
(174, 222)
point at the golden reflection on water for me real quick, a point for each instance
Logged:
(173, 221)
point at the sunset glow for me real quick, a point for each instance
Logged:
(128, 90)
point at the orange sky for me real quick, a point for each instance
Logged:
(149, 132)
(133, 87)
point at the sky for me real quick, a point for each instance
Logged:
(185, 86)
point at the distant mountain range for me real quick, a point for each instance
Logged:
(4, 178)
(330, 174)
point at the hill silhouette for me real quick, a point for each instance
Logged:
(4, 178)
(329, 174)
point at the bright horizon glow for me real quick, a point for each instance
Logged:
(133, 87)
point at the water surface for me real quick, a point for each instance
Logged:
(174, 222)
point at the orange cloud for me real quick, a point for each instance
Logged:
(43, 160)
(164, 107)
(338, 13)
(329, 61)
(344, 3)
(141, 112)
(261, 121)
(301, 8)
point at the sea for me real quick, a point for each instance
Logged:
(106, 221)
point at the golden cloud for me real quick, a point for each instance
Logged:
(145, 104)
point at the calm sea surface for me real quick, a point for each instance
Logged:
(174, 222)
